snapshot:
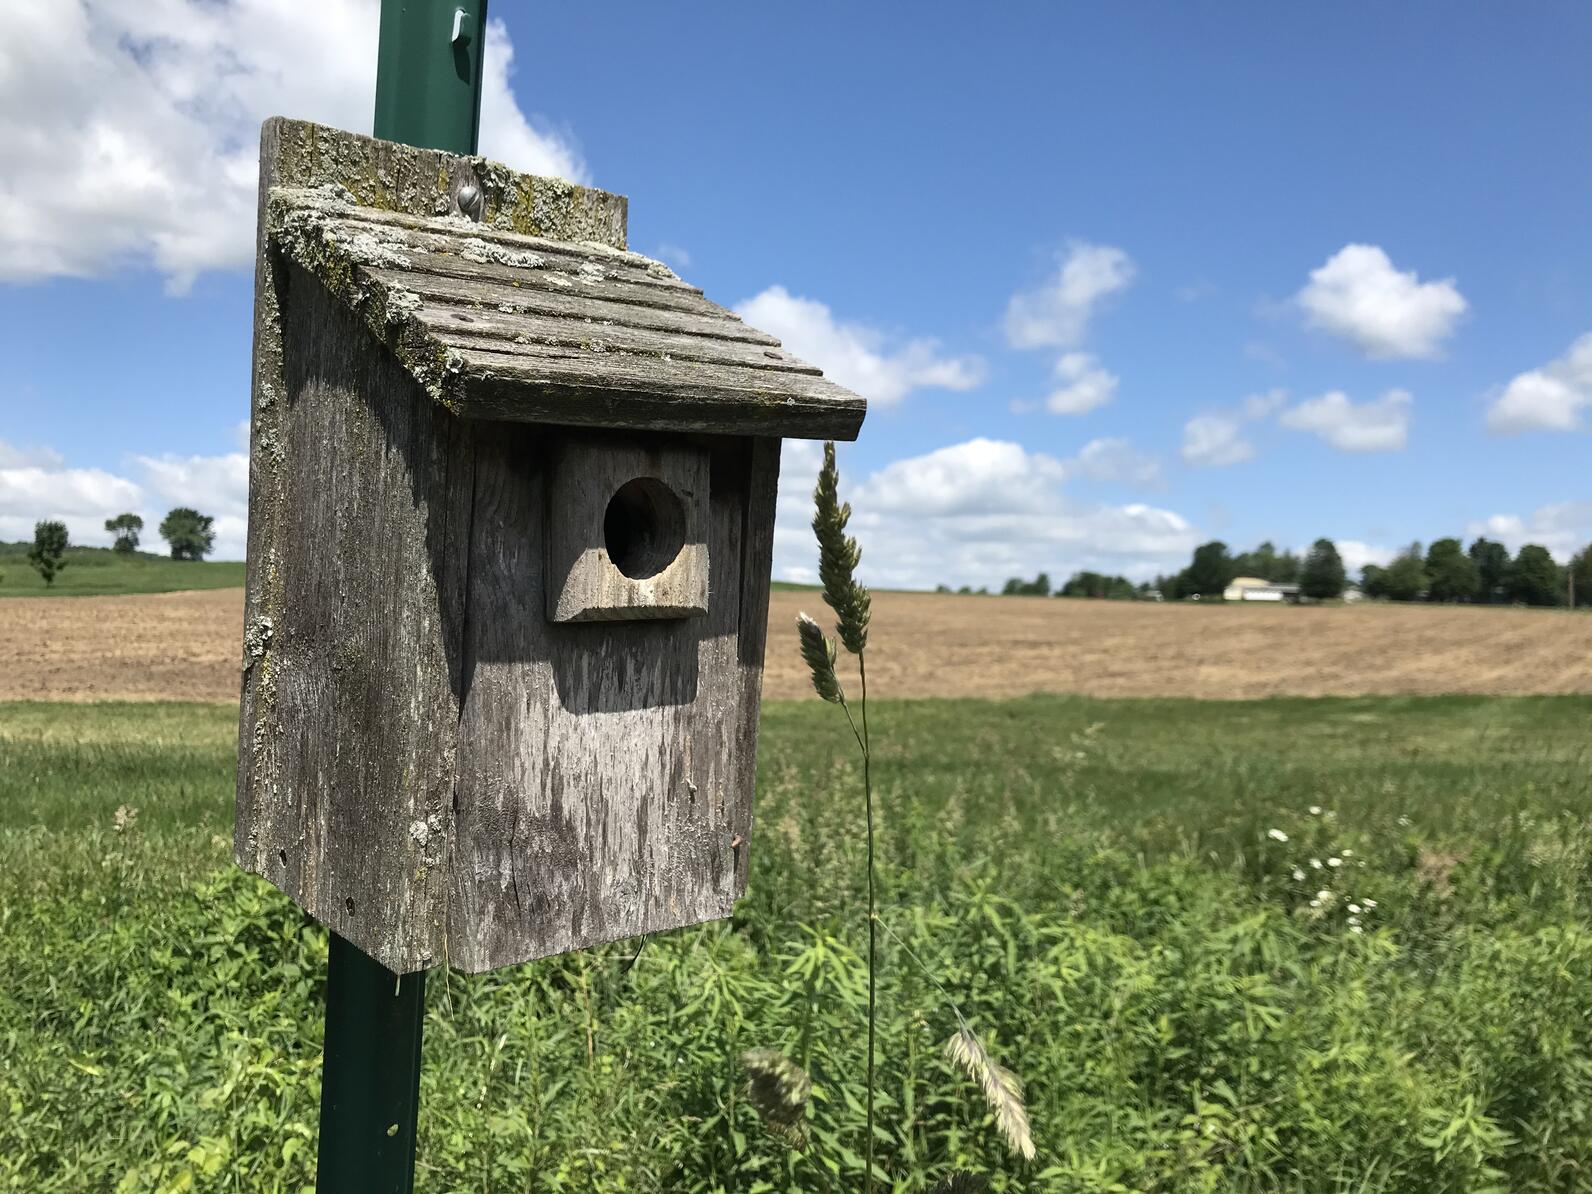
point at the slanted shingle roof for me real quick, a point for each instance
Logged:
(500, 325)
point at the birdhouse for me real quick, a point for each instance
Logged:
(511, 512)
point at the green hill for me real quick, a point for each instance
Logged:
(99, 571)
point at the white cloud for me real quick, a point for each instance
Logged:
(1056, 315)
(976, 513)
(1379, 426)
(1218, 440)
(855, 355)
(1115, 459)
(134, 124)
(12, 456)
(1086, 384)
(674, 254)
(40, 485)
(1215, 441)
(1360, 296)
(1564, 528)
(1356, 554)
(1550, 398)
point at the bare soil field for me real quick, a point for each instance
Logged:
(186, 646)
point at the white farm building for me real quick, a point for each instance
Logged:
(1252, 588)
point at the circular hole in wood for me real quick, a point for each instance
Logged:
(643, 528)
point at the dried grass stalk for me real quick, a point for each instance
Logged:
(1003, 1090)
(779, 1089)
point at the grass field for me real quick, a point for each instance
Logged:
(1093, 881)
(99, 571)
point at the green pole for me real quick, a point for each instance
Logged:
(428, 73)
(428, 93)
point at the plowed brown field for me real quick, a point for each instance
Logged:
(185, 646)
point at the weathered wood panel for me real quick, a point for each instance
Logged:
(604, 770)
(596, 353)
(349, 794)
(474, 294)
(627, 529)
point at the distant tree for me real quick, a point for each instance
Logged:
(1208, 573)
(1016, 586)
(1534, 577)
(1286, 570)
(48, 553)
(1098, 584)
(1581, 576)
(966, 590)
(1322, 575)
(1405, 578)
(1492, 569)
(189, 533)
(1451, 575)
(126, 528)
(1373, 580)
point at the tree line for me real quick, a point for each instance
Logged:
(188, 533)
(1446, 571)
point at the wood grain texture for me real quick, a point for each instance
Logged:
(428, 763)
(604, 770)
(517, 328)
(627, 529)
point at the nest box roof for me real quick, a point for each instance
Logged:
(497, 324)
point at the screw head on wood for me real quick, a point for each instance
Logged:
(468, 199)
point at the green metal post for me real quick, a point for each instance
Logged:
(370, 1079)
(428, 93)
(428, 73)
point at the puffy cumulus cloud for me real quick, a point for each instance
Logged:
(1564, 528)
(1086, 384)
(1057, 314)
(976, 513)
(135, 124)
(1218, 440)
(1115, 459)
(38, 484)
(1215, 441)
(855, 355)
(1379, 426)
(1550, 398)
(1357, 554)
(1386, 312)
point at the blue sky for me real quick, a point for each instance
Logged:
(1117, 278)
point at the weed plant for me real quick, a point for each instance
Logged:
(1096, 882)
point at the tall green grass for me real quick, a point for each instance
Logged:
(1096, 881)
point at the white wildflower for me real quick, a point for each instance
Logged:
(1355, 929)
(1404, 821)
(1355, 908)
(1348, 853)
(1334, 862)
(1315, 903)
(1298, 875)
(1323, 894)
(1276, 835)
(1370, 903)
(1315, 864)
(1315, 810)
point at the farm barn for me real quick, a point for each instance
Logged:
(1252, 588)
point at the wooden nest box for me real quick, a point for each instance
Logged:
(511, 508)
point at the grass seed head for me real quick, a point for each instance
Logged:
(838, 555)
(818, 652)
(1003, 1090)
(779, 1089)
